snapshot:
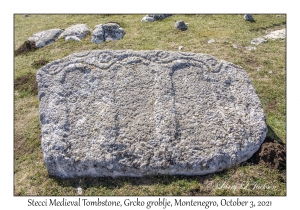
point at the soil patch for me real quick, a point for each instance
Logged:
(27, 83)
(39, 63)
(25, 48)
(271, 153)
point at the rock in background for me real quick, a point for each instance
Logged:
(44, 38)
(76, 32)
(98, 34)
(136, 113)
(279, 34)
(154, 17)
(180, 25)
(112, 31)
(108, 31)
(248, 17)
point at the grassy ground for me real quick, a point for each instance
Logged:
(266, 67)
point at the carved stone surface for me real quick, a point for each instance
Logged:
(135, 113)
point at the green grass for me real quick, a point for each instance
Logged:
(266, 67)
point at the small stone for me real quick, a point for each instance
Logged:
(210, 41)
(180, 48)
(79, 190)
(270, 72)
(248, 17)
(279, 34)
(26, 15)
(235, 46)
(180, 25)
(148, 19)
(258, 41)
(250, 48)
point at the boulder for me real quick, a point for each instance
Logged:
(108, 31)
(112, 31)
(98, 34)
(137, 113)
(180, 25)
(78, 30)
(44, 38)
(248, 17)
(154, 17)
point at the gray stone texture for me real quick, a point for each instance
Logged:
(258, 41)
(78, 30)
(136, 113)
(112, 31)
(148, 19)
(108, 31)
(248, 17)
(154, 17)
(250, 48)
(180, 25)
(98, 34)
(279, 34)
(44, 38)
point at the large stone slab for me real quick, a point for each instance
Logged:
(135, 113)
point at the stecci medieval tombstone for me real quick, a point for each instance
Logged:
(136, 113)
